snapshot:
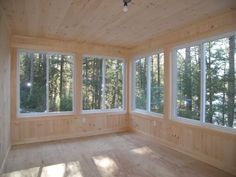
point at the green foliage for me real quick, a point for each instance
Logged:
(150, 68)
(66, 103)
(113, 84)
(92, 83)
(33, 82)
(141, 84)
(93, 88)
(188, 83)
(157, 83)
(219, 57)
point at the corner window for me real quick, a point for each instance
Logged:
(103, 83)
(149, 83)
(45, 82)
(204, 83)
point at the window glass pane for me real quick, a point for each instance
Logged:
(141, 83)
(188, 83)
(32, 68)
(45, 82)
(157, 83)
(92, 83)
(113, 84)
(60, 82)
(220, 82)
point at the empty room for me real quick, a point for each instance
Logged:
(117, 88)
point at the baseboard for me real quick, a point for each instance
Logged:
(69, 136)
(4, 161)
(194, 155)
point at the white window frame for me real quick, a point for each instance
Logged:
(148, 100)
(200, 122)
(47, 113)
(124, 74)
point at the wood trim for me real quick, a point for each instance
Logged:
(13, 83)
(47, 44)
(69, 136)
(167, 84)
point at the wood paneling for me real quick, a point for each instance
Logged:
(104, 21)
(4, 90)
(62, 127)
(215, 148)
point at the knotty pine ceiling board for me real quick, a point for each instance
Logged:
(103, 21)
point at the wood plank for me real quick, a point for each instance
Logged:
(104, 22)
(123, 154)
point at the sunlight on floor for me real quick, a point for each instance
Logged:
(105, 165)
(73, 169)
(54, 170)
(23, 173)
(142, 150)
(70, 169)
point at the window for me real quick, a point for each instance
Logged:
(205, 82)
(149, 83)
(141, 83)
(45, 82)
(103, 83)
(188, 82)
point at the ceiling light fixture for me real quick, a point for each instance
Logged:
(125, 9)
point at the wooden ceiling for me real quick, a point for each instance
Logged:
(103, 21)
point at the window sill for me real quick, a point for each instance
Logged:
(102, 111)
(145, 113)
(205, 125)
(52, 114)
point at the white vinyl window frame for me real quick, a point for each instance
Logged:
(200, 122)
(103, 109)
(47, 113)
(148, 99)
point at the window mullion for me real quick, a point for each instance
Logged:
(203, 82)
(123, 86)
(174, 86)
(148, 84)
(134, 85)
(103, 83)
(47, 84)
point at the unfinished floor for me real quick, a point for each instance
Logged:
(122, 154)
